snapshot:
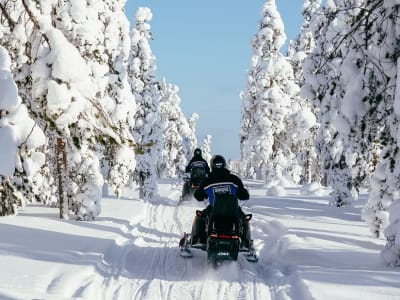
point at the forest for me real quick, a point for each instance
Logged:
(81, 106)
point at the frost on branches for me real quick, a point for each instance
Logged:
(22, 146)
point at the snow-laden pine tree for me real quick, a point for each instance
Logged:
(326, 87)
(303, 44)
(18, 34)
(147, 129)
(271, 108)
(365, 83)
(381, 31)
(66, 93)
(175, 127)
(100, 32)
(51, 31)
(298, 50)
(190, 140)
(22, 146)
(257, 129)
(206, 148)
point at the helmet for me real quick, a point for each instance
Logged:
(197, 152)
(218, 162)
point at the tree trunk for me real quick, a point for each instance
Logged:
(307, 167)
(61, 171)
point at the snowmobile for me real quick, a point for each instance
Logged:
(223, 227)
(192, 182)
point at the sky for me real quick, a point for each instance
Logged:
(307, 249)
(204, 48)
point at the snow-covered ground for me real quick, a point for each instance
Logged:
(307, 250)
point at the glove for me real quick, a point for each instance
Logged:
(200, 195)
(243, 194)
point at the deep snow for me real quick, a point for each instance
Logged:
(307, 250)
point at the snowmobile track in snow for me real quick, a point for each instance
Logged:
(161, 273)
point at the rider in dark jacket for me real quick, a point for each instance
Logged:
(197, 169)
(197, 158)
(219, 179)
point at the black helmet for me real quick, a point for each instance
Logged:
(197, 152)
(218, 162)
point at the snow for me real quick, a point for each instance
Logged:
(16, 127)
(7, 153)
(307, 250)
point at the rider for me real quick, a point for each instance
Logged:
(219, 176)
(198, 169)
(195, 161)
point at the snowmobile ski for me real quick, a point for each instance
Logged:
(184, 246)
(185, 252)
(251, 256)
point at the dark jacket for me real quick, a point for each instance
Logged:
(197, 158)
(221, 181)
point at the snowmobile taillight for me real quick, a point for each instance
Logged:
(224, 236)
(199, 213)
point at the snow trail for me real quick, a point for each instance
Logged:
(305, 247)
(154, 268)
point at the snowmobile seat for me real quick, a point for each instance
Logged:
(224, 216)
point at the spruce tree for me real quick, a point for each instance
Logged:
(147, 129)
(325, 87)
(23, 147)
(298, 50)
(206, 148)
(272, 114)
(175, 127)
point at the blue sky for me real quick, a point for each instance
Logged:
(204, 48)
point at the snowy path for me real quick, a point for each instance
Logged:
(165, 275)
(307, 250)
(157, 271)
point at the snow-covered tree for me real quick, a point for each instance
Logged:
(22, 146)
(304, 43)
(93, 38)
(325, 87)
(206, 148)
(190, 140)
(271, 107)
(258, 121)
(381, 30)
(298, 50)
(66, 90)
(100, 32)
(147, 129)
(175, 127)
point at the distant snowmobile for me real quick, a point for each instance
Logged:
(223, 234)
(192, 181)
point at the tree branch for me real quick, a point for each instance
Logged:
(10, 21)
